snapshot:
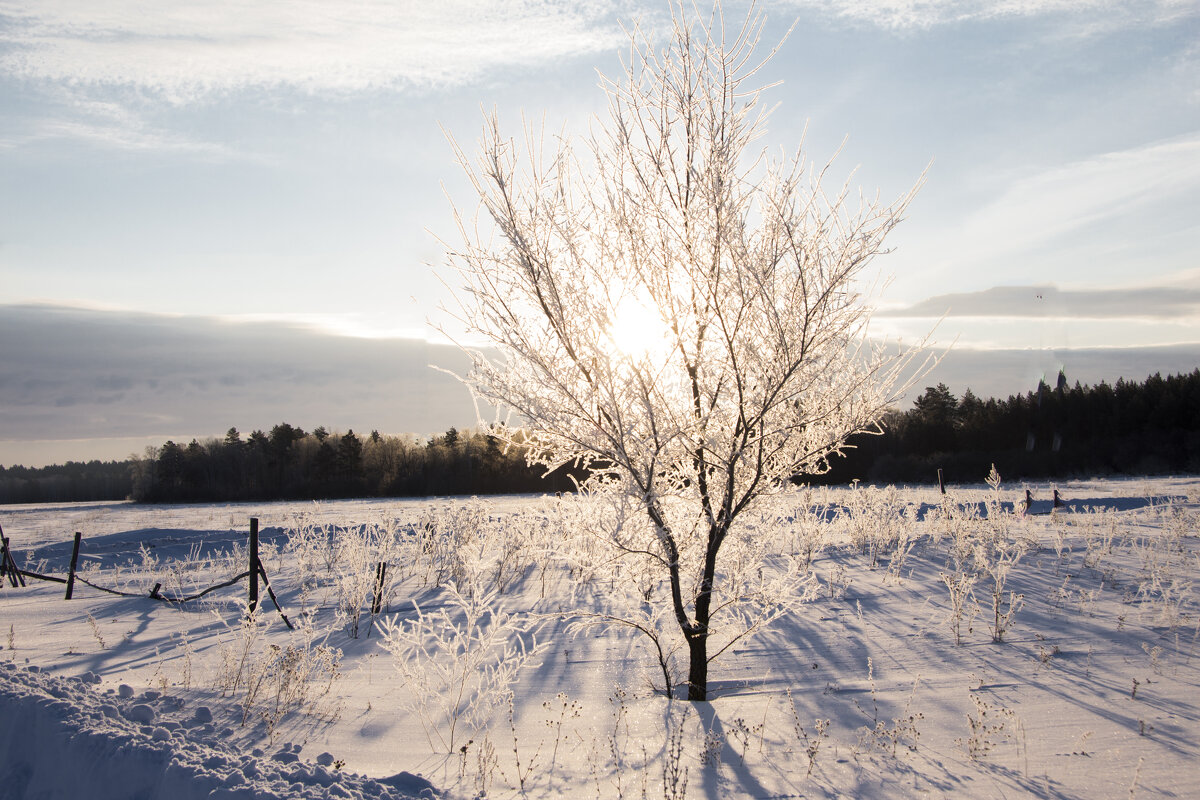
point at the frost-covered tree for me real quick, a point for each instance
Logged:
(675, 309)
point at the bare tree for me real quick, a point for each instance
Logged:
(675, 310)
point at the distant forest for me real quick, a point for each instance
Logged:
(289, 463)
(1059, 431)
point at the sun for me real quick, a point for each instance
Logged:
(638, 330)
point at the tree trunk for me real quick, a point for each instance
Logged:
(698, 668)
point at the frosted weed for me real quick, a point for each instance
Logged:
(878, 734)
(988, 727)
(567, 709)
(710, 749)
(95, 626)
(811, 743)
(959, 587)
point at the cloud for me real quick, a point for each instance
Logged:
(185, 51)
(1089, 193)
(1144, 303)
(81, 374)
(1089, 15)
(1106, 216)
(132, 136)
(79, 384)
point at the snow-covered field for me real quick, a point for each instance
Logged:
(862, 691)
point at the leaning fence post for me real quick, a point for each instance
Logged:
(253, 564)
(8, 567)
(74, 563)
(941, 482)
(380, 571)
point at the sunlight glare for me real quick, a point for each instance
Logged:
(638, 330)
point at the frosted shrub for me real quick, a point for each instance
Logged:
(904, 542)
(343, 561)
(961, 539)
(510, 551)
(996, 560)
(360, 553)
(1168, 599)
(1058, 532)
(993, 480)
(272, 680)
(464, 545)
(543, 543)
(294, 677)
(458, 662)
(959, 585)
(185, 576)
(315, 550)
(450, 544)
(1179, 524)
(983, 546)
(874, 520)
(1153, 559)
(802, 527)
(1100, 537)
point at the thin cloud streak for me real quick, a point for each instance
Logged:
(1088, 194)
(1108, 216)
(1009, 302)
(184, 52)
(1089, 16)
(118, 136)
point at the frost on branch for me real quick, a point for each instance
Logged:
(611, 549)
(458, 662)
(676, 311)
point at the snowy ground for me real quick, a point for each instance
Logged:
(862, 693)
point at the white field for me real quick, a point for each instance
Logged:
(1094, 691)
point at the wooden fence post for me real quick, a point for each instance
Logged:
(253, 564)
(8, 567)
(74, 564)
(380, 571)
(941, 483)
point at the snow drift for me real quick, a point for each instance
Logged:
(61, 738)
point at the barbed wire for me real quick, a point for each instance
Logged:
(153, 593)
(9, 569)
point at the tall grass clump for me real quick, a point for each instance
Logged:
(459, 661)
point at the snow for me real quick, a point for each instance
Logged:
(61, 738)
(1092, 693)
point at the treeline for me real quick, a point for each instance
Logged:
(290, 464)
(1127, 428)
(64, 483)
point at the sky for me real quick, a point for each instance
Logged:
(230, 214)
